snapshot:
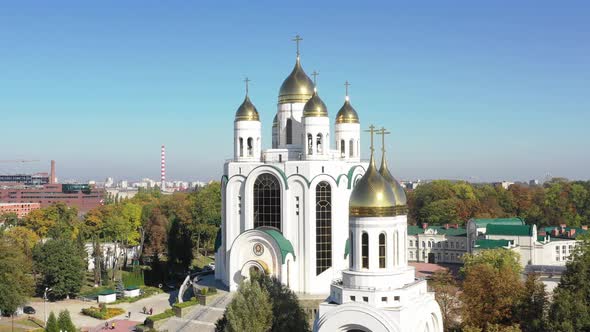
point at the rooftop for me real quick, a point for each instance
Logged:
(492, 244)
(509, 229)
(451, 231)
(483, 222)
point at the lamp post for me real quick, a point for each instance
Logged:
(47, 289)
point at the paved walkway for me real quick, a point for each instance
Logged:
(120, 326)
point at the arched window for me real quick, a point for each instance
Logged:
(323, 228)
(267, 201)
(423, 244)
(351, 251)
(250, 147)
(319, 143)
(382, 250)
(342, 148)
(241, 147)
(289, 131)
(351, 148)
(309, 144)
(365, 250)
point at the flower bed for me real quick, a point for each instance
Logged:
(146, 292)
(103, 312)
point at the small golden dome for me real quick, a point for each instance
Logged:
(247, 111)
(297, 87)
(398, 190)
(372, 195)
(347, 114)
(315, 107)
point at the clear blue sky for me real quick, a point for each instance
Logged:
(470, 90)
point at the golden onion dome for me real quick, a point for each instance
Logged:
(297, 87)
(247, 111)
(315, 107)
(372, 196)
(398, 190)
(347, 114)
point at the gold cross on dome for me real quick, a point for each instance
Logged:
(372, 131)
(297, 39)
(383, 132)
(315, 75)
(247, 80)
(346, 84)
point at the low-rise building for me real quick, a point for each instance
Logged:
(437, 244)
(21, 209)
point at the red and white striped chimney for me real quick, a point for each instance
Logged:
(163, 169)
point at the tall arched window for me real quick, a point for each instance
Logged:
(342, 148)
(319, 143)
(267, 201)
(351, 148)
(289, 131)
(241, 147)
(351, 251)
(323, 229)
(309, 144)
(365, 250)
(382, 250)
(250, 147)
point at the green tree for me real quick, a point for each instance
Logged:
(61, 265)
(496, 258)
(64, 321)
(287, 313)
(56, 221)
(250, 310)
(51, 325)
(16, 282)
(23, 238)
(570, 308)
(532, 309)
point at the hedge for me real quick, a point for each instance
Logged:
(103, 312)
(166, 314)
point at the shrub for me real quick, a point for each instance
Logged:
(166, 314)
(103, 312)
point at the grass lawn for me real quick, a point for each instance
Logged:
(6, 325)
(200, 261)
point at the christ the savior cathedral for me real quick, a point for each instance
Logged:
(318, 218)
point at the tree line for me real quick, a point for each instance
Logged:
(558, 201)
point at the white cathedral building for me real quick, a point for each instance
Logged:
(305, 213)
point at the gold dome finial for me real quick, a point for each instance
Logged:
(347, 114)
(297, 87)
(247, 111)
(372, 195)
(398, 190)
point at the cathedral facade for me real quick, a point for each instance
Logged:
(285, 209)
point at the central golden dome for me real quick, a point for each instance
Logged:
(347, 114)
(372, 196)
(297, 87)
(315, 107)
(247, 111)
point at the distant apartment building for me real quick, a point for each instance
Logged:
(82, 196)
(21, 209)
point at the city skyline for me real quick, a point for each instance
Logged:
(465, 94)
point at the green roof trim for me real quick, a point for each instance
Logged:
(483, 222)
(347, 248)
(284, 244)
(541, 238)
(107, 292)
(508, 229)
(491, 244)
(415, 230)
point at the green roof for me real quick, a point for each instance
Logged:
(461, 231)
(541, 238)
(284, 244)
(504, 229)
(579, 231)
(491, 244)
(107, 292)
(483, 222)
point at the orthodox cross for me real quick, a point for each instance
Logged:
(315, 76)
(383, 132)
(372, 131)
(346, 84)
(247, 80)
(297, 39)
